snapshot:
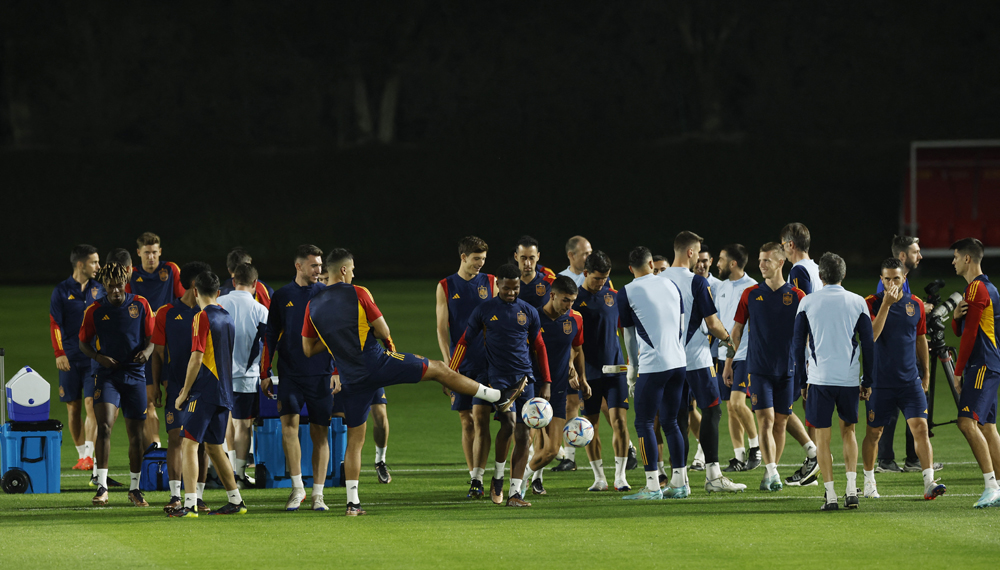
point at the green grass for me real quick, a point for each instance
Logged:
(422, 518)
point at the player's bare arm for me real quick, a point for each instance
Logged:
(577, 363)
(103, 360)
(194, 365)
(441, 310)
(924, 362)
(892, 294)
(737, 336)
(311, 346)
(716, 329)
(144, 354)
(153, 390)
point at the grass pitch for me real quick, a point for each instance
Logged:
(422, 519)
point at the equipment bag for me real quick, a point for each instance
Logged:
(153, 473)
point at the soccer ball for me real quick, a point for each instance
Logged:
(579, 432)
(537, 413)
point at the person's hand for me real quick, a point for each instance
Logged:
(181, 398)
(925, 382)
(960, 309)
(265, 387)
(958, 385)
(62, 363)
(630, 377)
(574, 381)
(805, 392)
(573, 376)
(585, 390)
(335, 383)
(107, 361)
(140, 358)
(892, 294)
(545, 391)
(865, 393)
(154, 395)
(727, 373)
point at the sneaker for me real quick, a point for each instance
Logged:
(914, 467)
(934, 490)
(810, 467)
(663, 481)
(537, 488)
(101, 498)
(565, 465)
(295, 499)
(354, 510)
(871, 491)
(202, 507)
(735, 465)
(887, 466)
(382, 470)
(510, 395)
(677, 492)
(515, 500)
(174, 504)
(724, 484)
(830, 506)
(183, 512)
(771, 483)
(111, 482)
(622, 486)
(598, 486)
(645, 495)
(476, 490)
(632, 461)
(851, 501)
(810, 481)
(81, 464)
(135, 496)
(753, 459)
(245, 483)
(237, 509)
(697, 465)
(318, 504)
(496, 491)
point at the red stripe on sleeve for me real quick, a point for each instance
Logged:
(308, 330)
(542, 356)
(87, 329)
(978, 300)
(160, 326)
(55, 333)
(743, 309)
(578, 339)
(178, 288)
(199, 332)
(368, 303)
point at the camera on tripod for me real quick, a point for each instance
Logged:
(937, 321)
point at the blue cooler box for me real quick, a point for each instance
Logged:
(27, 397)
(270, 455)
(35, 448)
(268, 408)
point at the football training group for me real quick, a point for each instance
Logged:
(537, 352)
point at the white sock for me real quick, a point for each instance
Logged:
(869, 475)
(740, 453)
(234, 496)
(538, 475)
(852, 483)
(562, 453)
(352, 492)
(991, 480)
(89, 446)
(659, 467)
(630, 444)
(620, 468)
(175, 488)
(771, 469)
(754, 442)
(652, 480)
(531, 452)
(515, 486)
(231, 454)
(201, 491)
(81, 450)
(102, 477)
(472, 473)
(928, 476)
(240, 467)
(297, 481)
(95, 469)
(712, 471)
(133, 482)
(528, 474)
(477, 473)
(571, 453)
(598, 468)
(317, 491)
(498, 469)
(810, 449)
(191, 500)
(831, 495)
(379, 454)
(488, 394)
(678, 477)
(700, 454)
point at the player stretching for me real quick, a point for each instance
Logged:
(535, 282)
(303, 380)
(700, 375)
(70, 300)
(344, 320)
(171, 352)
(562, 332)
(770, 311)
(261, 293)
(455, 298)
(979, 362)
(902, 374)
(833, 322)
(732, 261)
(123, 325)
(652, 315)
(207, 397)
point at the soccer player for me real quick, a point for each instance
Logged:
(652, 315)
(456, 296)
(304, 379)
(902, 374)
(535, 282)
(159, 282)
(833, 322)
(732, 261)
(207, 397)
(978, 361)
(577, 251)
(171, 352)
(261, 293)
(703, 267)
(700, 375)
(123, 325)
(249, 317)
(770, 312)
(69, 301)
(659, 264)
(344, 320)
(562, 333)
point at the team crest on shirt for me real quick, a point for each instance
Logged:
(97, 394)
(522, 319)
(164, 274)
(483, 292)
(170, 417)
(609, 299)
(911, 309)
(133, 311)
(540, 289)
(568, 327)
(871, 415)
(786, 298)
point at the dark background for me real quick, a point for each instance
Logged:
(395, 128)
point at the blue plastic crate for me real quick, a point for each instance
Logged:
(35, 448)
(269, 454)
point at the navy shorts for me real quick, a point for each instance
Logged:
(771, 392)
(312, 391)
(884, 404)
(557, 398)
(498, 383)
(821, 400)
(392, 368)
(704, 386)
(246, 406)
(378, 399)
(127, 395)
(73, 384)
(205, 423)
(739, 379)
(171, 415)
(612, 388)
(979, 395)
(526, 395)
(463, 402)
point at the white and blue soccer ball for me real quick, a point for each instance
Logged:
(537, 413)
(579, 432)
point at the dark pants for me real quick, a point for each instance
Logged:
(885, 452)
